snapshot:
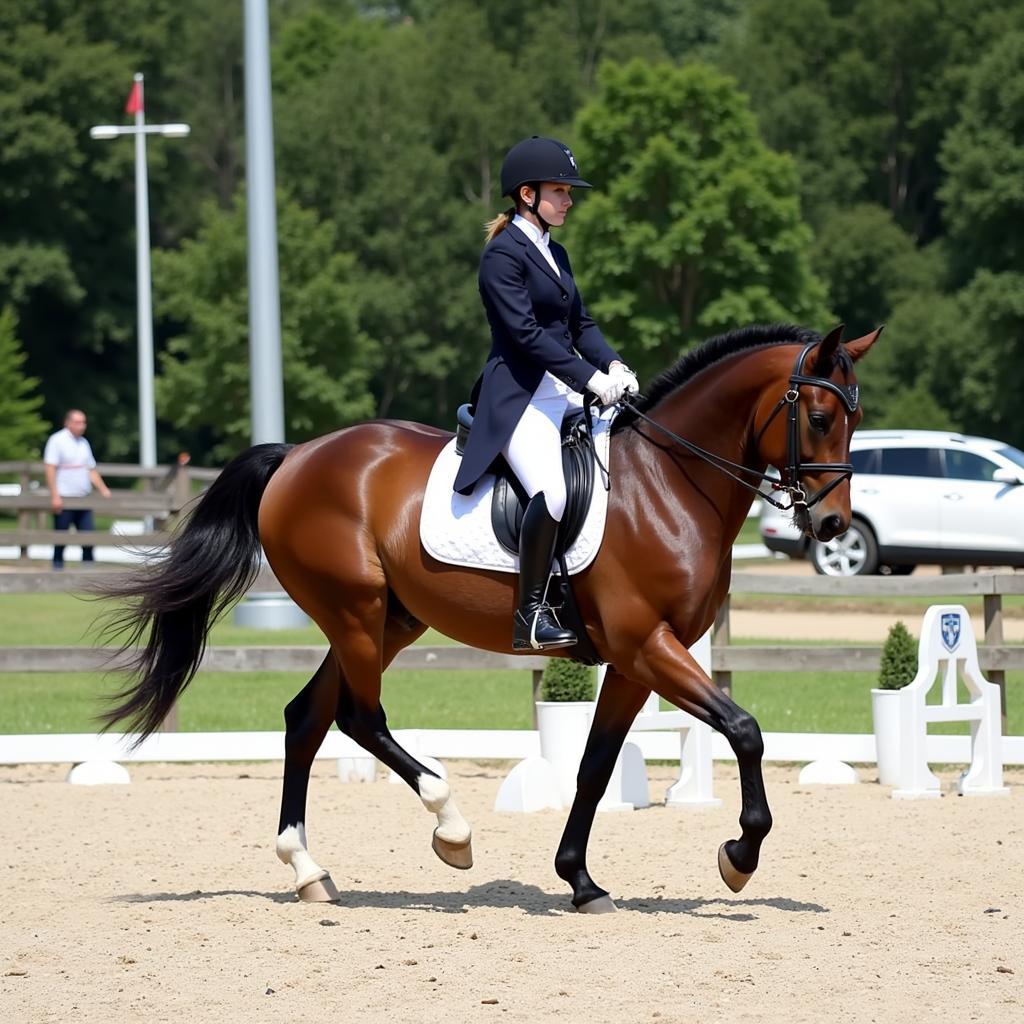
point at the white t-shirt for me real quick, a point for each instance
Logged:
(73, 458)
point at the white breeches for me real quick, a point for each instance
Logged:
(534, 451)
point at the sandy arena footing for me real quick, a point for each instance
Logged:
(163, 901)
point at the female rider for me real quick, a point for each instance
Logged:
(545, 351)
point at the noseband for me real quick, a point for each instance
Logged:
(848, 394)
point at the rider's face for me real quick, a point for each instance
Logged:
(555, 201)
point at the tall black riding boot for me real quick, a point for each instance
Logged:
(536, 627)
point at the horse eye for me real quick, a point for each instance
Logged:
(818, 421)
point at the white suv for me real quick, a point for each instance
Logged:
(919, 497)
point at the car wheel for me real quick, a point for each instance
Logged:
(853, 553)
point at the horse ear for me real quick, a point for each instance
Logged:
(825, 353)
(858, 348)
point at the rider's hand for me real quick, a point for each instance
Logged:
(609, 388)
(621, 370)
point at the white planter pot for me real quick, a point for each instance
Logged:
(563, 728)
(885, 708)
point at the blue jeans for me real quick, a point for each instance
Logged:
(81, 519)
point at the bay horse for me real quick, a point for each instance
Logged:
(337, 518)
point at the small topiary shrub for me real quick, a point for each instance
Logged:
(567, 680)
(899, 659)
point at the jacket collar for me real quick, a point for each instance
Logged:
(533, 253)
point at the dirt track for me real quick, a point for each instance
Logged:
(862, 627)
(163, 901)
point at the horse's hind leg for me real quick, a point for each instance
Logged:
(366, 628)
(307, 719)
(617, 706)
(363, 718)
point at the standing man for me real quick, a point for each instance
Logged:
(71, 473)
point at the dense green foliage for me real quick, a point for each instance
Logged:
(21, 426)
(899, 658)
(695, 225)
(810, 160)
(567, 680)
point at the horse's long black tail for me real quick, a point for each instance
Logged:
(172, 603)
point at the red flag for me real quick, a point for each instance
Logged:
(134, 104)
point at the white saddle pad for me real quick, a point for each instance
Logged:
(456, 528)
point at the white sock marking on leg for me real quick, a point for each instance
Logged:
(436, 795)
(291, 849)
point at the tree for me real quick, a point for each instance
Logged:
(992, 375)
(202, 296)
(54, 203)
(912, 379)
(870, 264)
(694, 227)
(862, 93)
(67, 253)
(983, 156)
(22, 429)
(402, 184)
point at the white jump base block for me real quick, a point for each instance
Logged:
(99, 773)
(828, 773)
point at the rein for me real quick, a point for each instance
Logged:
(790, 483)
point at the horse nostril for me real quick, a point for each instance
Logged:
(832, 525)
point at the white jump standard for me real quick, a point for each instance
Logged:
(947, 649)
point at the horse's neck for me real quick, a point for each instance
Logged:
(716, 414)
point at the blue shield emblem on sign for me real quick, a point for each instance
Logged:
(950, 628)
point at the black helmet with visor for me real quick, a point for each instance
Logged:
(536, 160)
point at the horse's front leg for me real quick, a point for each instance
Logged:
(617, 706)
(672, 672)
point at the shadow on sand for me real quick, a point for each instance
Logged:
(503, 894)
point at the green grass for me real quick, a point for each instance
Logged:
(750, 532)
(33, 620)
(67, 702)
(34, 702)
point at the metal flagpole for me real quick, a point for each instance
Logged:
(266, 378)
(144, 301)
(270, 610)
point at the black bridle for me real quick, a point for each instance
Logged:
(790, 483)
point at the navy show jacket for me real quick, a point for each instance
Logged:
(538, 323)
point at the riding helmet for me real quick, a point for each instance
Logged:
(538, 159)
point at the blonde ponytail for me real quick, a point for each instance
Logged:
(494, 227)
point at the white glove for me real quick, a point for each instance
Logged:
(631, 385)
(609, 388)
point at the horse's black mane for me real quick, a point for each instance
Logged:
(710, 352)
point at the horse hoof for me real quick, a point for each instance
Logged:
(320, 890)
(732, 878)
(455, 855)
(602, 905)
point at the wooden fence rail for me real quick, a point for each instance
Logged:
(165, 490)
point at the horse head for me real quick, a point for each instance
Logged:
(807, 433)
